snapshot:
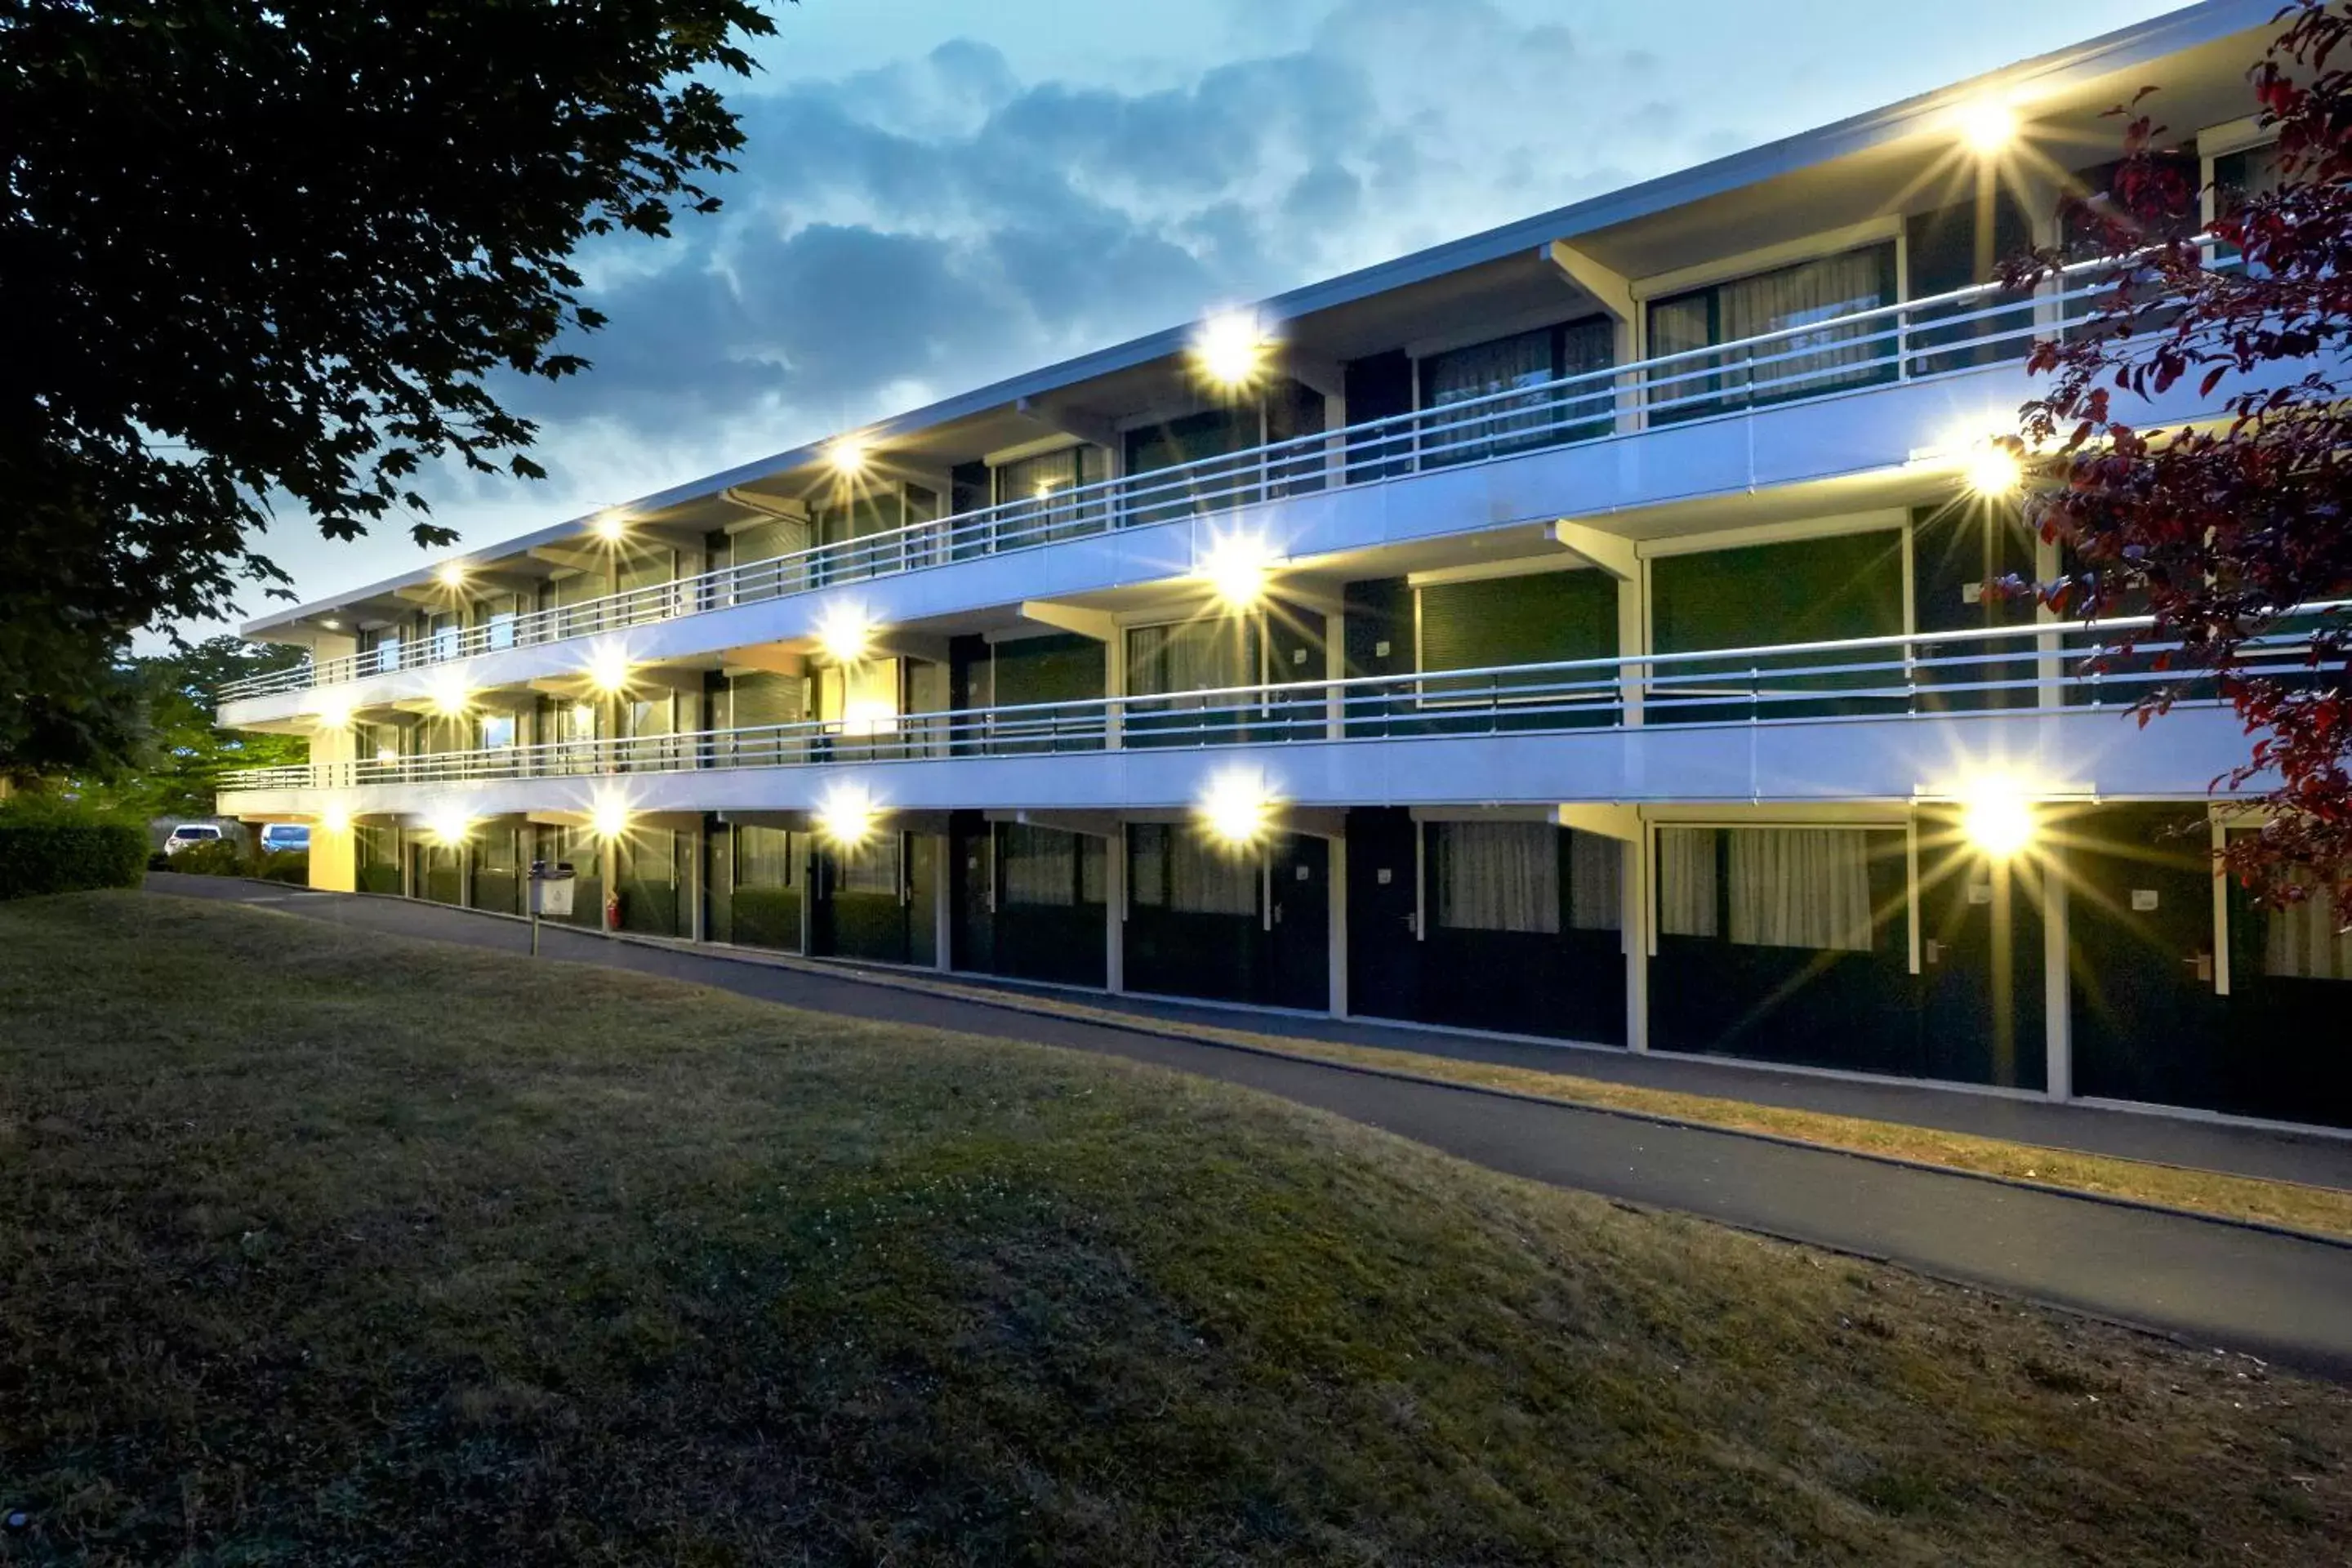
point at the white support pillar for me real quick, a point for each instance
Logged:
(2057, 982)
(1337, 859)
(943, 905)
(689, 879)
(1335, 668)
(1614, 293)
(1634, 931)
(1115, 913)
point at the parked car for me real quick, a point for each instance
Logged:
(280, 836)
(188, 833)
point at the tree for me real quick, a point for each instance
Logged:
(265, 255)
(186, 753)
(2221, 531)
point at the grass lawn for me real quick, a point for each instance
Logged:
(320, 1246)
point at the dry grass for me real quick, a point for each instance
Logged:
(2326, 1211)
(325, 1246)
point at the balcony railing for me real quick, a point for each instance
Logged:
(1916, 340)
(2041, 666)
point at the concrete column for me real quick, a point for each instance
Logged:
(1115, 912)
(334, 857)
(689, 882)
(1338, 860)
(1633, 929)
(942, 906)
(1335, 668)
(2057, 982)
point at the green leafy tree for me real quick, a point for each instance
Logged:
(186, 752)
(264, 254)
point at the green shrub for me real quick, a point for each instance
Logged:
(287, 866)
(67, 857)
(212, 857)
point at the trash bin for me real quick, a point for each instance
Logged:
(550, 890)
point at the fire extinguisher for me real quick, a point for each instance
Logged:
(613, 911)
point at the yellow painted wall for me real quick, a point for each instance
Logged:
(334, 856)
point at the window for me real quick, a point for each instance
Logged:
(1037, 865)
(1497, 875)
(1195, 438)
(1524, 361)
(497, 730)
(764, 857)
(447, 634)
(1809, 294)
(1207, 654)
(2307, 941)
(872, 868)
(501, 630)
(2239, 177)
(1596, 882)
(1035, 493)
(1171, 868)
(1767, 887)
(1544, 617)
(387, 652)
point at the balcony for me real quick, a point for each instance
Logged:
(1868, 718)
(1928, 340)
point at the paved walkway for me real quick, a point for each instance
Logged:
(2206, 1282)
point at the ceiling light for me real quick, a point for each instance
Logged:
(845, 632)
(448, 697)
(1997, 818)
(608, 817)
(450, 573)
(335, 818)
(847, 455)
(1229, 350)
(608, 668)
(1987, 126)
(1237, 568)
(1237, 808)
(334, 711)
(844, 818)
(1993, 470)
(610, 526)
(449, 824)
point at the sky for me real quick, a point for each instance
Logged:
(936, 196)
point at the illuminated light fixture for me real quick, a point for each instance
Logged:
(449, 697)
(608, 668)
(331, 623)
(608, 817)
(334, 711)
(610, 527)
(335, 818)
(844, 634)
(1238, 569)
(1238, 809)
(449, 824)
(1992, 471)
(1987, 125)
(1997, 818)
(844, 818)
(847, 457)
(450, 573)
(1230, 349)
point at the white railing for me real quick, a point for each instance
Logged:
(2043, 667)
(1911, 341)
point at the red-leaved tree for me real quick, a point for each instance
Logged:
(2221, 530)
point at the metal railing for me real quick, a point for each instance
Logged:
(2041, 666)
(1917, 338)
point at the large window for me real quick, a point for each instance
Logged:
(1497, 875)
(1811, 294)
(1044, 867)
(1172, 868)
(2307, 941)
(873, 868)
(1208, 655)
(765, 857)
(1542, 618)
(1034, 492)
(1191, 439)
(1523, 363)
(1767, 887)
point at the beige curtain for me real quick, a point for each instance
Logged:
(1498, 875)
(1799, 886)
(2307, 941)
(1596, 876)
(1686, 881)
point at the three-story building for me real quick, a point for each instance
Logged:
(1576, 631)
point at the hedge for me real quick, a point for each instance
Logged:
(67, 858)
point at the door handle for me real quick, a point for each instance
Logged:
(2203, 965)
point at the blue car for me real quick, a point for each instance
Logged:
(280, 836)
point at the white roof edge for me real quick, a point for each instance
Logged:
(2170, 33)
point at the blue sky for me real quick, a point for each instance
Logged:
(937, 195)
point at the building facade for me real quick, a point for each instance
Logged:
(1578, 631)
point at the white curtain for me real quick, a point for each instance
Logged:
(1037, 865)
(1596, 876)
(1497, 875)
(1686, 881)
(2307, 941)
(1191, 656)
(1172, 869)
(764, 856)
(1801, 886)
(1818, 291)
(1479, 370)
(872, 866)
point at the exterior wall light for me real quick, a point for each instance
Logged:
(844, 818)
(844, 634)
(608, 668)
(1237, 808)
(1230, 350)
(1238, 569)
(1997, 818)
(1992, 471)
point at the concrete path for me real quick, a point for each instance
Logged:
(2209, 1283)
